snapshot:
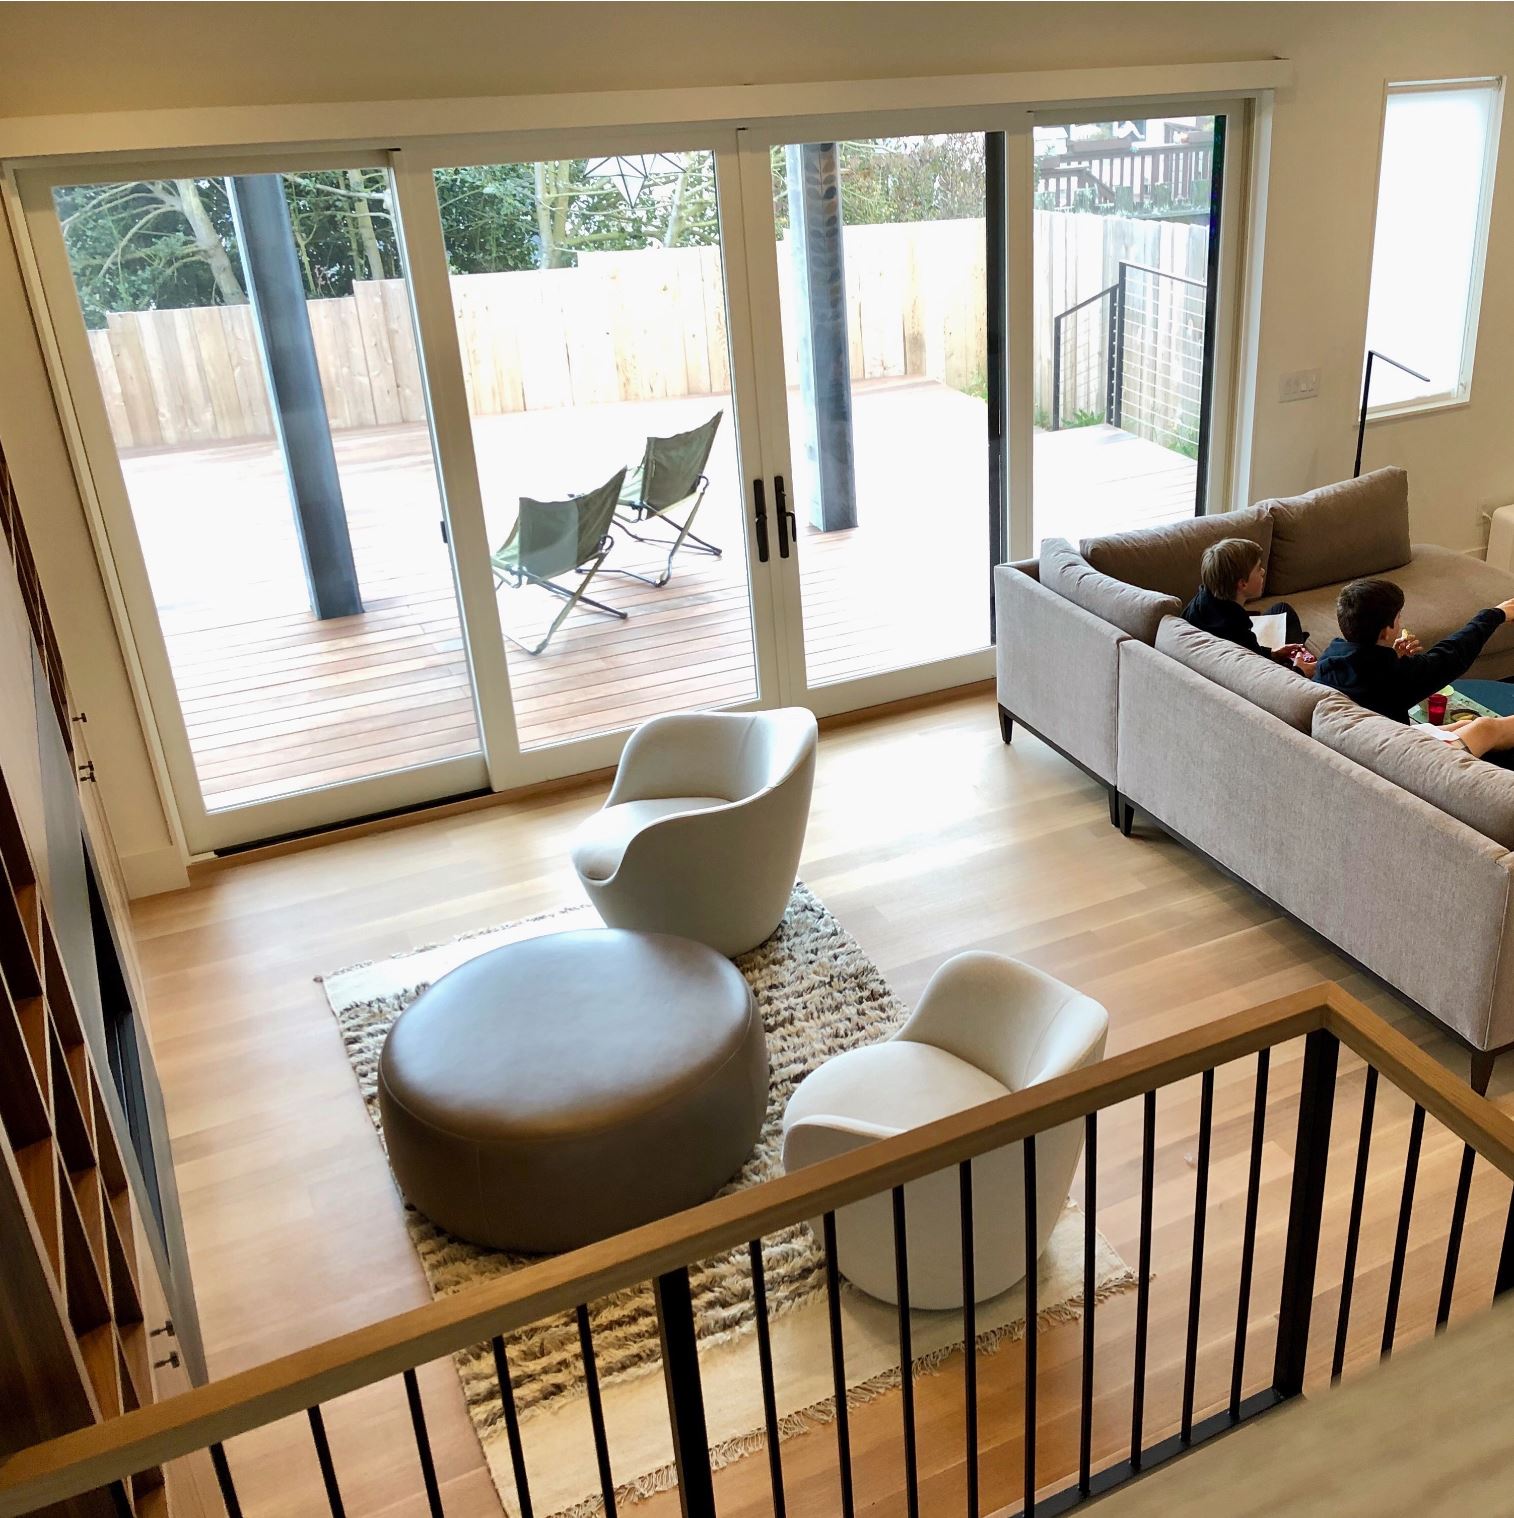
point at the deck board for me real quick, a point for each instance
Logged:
(277, 701)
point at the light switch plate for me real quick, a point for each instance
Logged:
(1301, 385)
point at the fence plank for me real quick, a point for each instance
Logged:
(110, 388)
(368, 298)
(247, 369)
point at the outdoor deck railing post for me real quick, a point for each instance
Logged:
(1311, 1151)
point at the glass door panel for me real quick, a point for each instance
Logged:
(883, 291)
(590, 300)
(1125, 216)
(252, 343)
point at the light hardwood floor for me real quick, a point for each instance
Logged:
(927, 836)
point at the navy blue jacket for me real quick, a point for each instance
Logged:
(1375, 677)
(1223, 619)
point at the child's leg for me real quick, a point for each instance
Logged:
(1293, 630)
(1485, 736)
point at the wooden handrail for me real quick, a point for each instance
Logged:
(93, 1457)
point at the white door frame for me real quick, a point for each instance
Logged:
(510, 764)
(102, 483)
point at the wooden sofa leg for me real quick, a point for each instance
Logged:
(1006, 724)
(1114, 807)
(1482, 1071)
(1127, 817)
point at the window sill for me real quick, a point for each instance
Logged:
(1403, 409)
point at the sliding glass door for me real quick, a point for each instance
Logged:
(245, 375)
(1127, 228)
(882, 373)
(437, 469)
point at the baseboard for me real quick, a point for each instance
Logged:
(153, 872)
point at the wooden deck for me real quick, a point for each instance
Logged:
(277, 701)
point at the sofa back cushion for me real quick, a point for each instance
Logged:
(1166, 559)
(1134, 611)
(1339, 532)
(1444, 774)
(1276, 689)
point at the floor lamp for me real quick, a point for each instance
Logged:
(1361, 426)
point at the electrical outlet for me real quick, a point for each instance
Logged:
(1301, 385)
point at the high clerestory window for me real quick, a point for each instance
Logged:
(1434, 192)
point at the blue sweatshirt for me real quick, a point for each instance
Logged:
(1375, 677)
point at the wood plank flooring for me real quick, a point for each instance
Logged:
(277, 701)
(928, 836)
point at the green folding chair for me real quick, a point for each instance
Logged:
(670, 474)
(555, 538)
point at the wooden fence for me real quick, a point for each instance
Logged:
(620, 327)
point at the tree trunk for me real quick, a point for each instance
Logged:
(208, 241)
(364, 217)
(674, 229)
(546, 222)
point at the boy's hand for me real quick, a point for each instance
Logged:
(1507, 608)
(1304, 662)
(1406, 645)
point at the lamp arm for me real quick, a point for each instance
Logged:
(1361, 425)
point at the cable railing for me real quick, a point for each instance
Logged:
(1132, 355)
(1224, 1380)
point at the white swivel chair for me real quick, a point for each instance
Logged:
(986, 1026)
(701, 833)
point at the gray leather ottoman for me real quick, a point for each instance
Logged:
(556, 1091)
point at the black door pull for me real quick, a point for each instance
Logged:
(788, 530)
(760, 520)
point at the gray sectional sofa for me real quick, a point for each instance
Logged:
(1394, 847)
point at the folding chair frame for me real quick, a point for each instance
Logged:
(685, 537)
(518, 577)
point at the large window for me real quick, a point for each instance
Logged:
(1434, 190)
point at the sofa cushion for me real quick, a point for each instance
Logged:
(1442, 590)
(1134, 611)
(1339, 532)
(1444, 774)
(1166, 559)
(1283, 692)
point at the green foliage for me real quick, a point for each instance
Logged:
(894, 179)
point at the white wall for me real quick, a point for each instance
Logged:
(63, 59)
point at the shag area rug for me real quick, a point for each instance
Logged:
(819, 995)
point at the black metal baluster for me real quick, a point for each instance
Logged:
(1504, 1279)
(1354, 1227)
(423, 1444)
(1196, 1279)
(1453, 1242)
(596, 1411)
(512, 1427)
(906, 1357)
(223, 1480)
(323, 1455)
(1090, 1209)
(765, 1366)
(969, 1333)
(681, 1379)
(1306, 1204)
(1031, 1310)
(838, 1364)
(1143, 1283)
(1401, 1243)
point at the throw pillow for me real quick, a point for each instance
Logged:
(1339, 532)
(1166, 559)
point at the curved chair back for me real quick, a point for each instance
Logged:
(555, 537)
(672, 466)
(735, 755)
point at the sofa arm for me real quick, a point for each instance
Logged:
(1058, 669)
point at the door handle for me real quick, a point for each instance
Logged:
(760, 520)
(788, 530)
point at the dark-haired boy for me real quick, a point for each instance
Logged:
(1381, 667)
